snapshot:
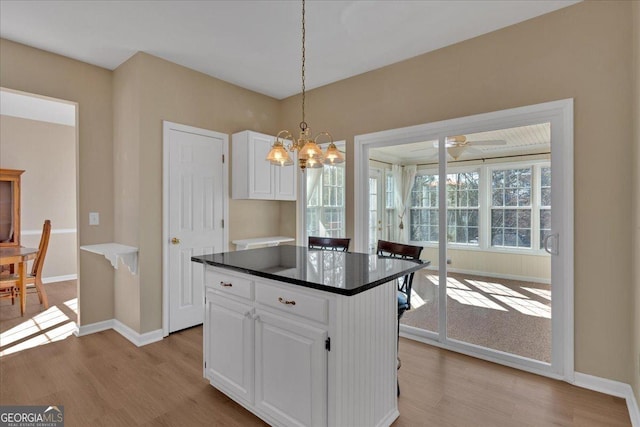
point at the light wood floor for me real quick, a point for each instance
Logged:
(104, 380)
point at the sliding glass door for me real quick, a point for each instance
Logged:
(489, 206)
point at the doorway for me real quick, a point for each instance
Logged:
(494, 248)
(39, 136)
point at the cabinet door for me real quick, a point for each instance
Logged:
(291, 371)
(229, 346)
(261, 172)
(286, 178)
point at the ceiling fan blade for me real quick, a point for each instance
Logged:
(488, 142)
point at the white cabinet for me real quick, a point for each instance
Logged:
(228, 345)
(291, 370)
(296, 356)
(253, 177)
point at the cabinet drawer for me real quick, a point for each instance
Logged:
(291, 301)
(229, 285)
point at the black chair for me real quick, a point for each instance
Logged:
(410, 252)
(329, 243)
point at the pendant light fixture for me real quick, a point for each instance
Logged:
(309, 153)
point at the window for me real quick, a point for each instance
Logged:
(325, 203)
(514, 199)
(462, 207)
(373, 213)
(511, 208)
(390, 210)
(423, 212)
(462, 212)
(545, 203)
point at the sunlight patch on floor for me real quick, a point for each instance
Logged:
(56, 334)
(72, 304)
(475, 299)
(49, 326)
(544, 293)
(46, 319)
(495, 288)
(526, 306)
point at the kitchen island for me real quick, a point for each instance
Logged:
(304, 337)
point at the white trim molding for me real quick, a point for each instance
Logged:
(612, 388)
(54, 279)
(53, 231)
(136, 338)
(560, 115)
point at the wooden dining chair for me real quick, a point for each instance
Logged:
(403, 251)
(9, 284)
(329, 243)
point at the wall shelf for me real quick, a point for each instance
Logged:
(113, 251)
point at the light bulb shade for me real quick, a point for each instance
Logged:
(310, 150)
(456, 151)
(278, 155)
(333, 155)
(313, 163)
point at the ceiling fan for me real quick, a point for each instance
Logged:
(456, 145)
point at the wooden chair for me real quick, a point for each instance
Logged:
(329, 243)
(410, 252)
(9, 284)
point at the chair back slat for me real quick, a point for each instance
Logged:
(398, 250)
(38, 263)
(403, 251)
(329, 243)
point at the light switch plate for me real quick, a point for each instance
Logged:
(94, 218)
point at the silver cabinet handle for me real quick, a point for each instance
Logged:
(226, 285)
(284, 301)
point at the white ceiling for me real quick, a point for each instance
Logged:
(522, 140)
(256, 43)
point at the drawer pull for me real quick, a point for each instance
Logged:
(226, 285)
(284, 301)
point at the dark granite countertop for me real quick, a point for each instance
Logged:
(345, 273)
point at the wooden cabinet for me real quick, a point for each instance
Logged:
(255, 178)
(296, 356)
(10, 207)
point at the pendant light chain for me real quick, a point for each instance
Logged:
(303, 124)
(309, 154)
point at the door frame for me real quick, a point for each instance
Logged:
(560, 115)
(166, 128)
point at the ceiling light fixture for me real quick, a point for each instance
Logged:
(309, 153)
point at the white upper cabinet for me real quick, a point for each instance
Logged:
(253, 177)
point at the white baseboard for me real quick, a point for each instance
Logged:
(613, 388)
(136, 338)
(92, 328)
(54, 279)
(494, 275)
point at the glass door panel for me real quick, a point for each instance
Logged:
(498, 215)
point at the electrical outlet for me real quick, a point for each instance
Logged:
(94, 218)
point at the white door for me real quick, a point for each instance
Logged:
(196, 197)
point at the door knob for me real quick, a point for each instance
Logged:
(175, 241)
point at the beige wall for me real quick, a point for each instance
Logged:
(636, 210)
(47, 154)
(580, 52)
(149, 90)
(35, 71)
